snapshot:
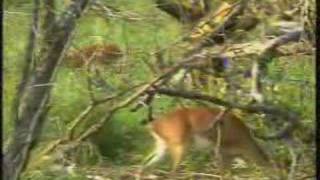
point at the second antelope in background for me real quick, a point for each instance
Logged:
(100, 54)
(175, 131)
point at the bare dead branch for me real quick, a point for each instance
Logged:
(293, 165)
(146, 101)
(89, 67)
(217, 26)
(207, 175)
(292, 36)
(270, 46)
(109, 11)
(257, 49)
(78, 120)
(255, 91)
(217, 147)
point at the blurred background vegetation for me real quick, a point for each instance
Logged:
(123, 142)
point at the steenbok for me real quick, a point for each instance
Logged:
(175, 132)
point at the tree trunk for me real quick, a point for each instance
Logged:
(34, 100)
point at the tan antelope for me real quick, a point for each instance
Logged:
(101, 54)
(175, 131)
